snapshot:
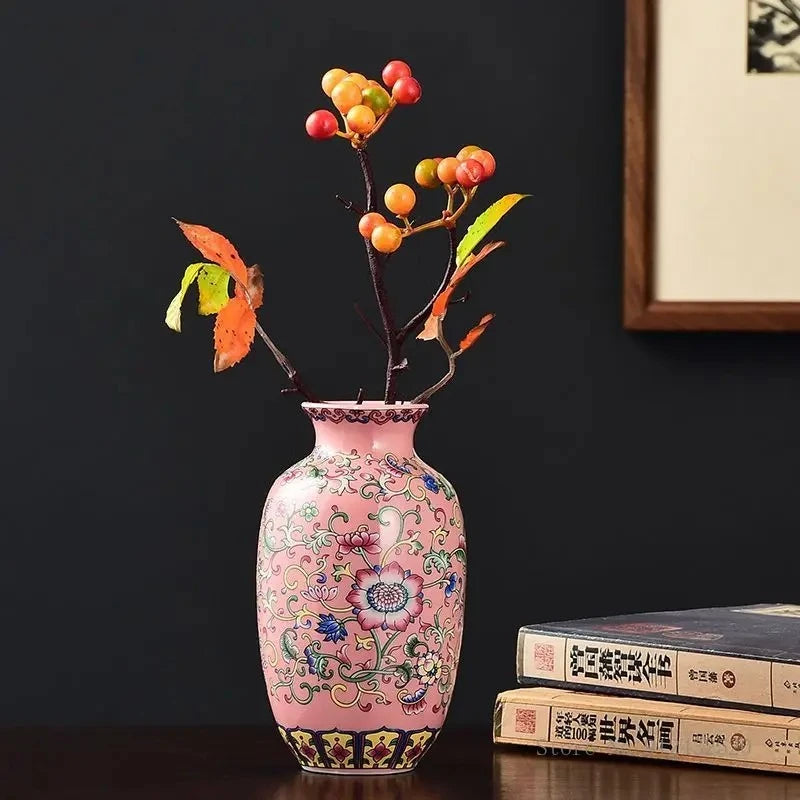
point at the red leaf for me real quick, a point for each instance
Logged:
(235, 327)
(476, 332)
(233, 333)
(215, 247)
(440, 304)
(472, 260)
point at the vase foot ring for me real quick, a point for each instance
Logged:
(345, 771)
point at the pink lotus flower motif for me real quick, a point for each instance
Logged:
(361, 537)
(320, 593)
(387, 598)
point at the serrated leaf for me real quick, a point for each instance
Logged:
(173, 316)
(235, 327)
(212, 286)
(215, 247)
(483, 224)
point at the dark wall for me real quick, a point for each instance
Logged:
(600, 471)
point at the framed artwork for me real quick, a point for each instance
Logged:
(712, 165)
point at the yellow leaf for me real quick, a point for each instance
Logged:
(484, 223)
(173, 316)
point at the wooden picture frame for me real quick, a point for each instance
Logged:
(641, 309)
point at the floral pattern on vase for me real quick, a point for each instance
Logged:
(360, 592)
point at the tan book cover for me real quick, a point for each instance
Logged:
(630, 726)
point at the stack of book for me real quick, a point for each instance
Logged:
(710, 686)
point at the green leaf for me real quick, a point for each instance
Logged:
(484, 223)
(289, 649)
(212, 284)
(173, 316)
(403, 673)
(435, 560)
(410, 647)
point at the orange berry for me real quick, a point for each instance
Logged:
(345, 95)
(466, 152)
(369, 222)
(361, 119)
(331, 78)
(425, 174)
(386, 238)
(486, 160)
(447, 169)
(400, 199)
(359, 79)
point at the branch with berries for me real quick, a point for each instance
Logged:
(364, 107)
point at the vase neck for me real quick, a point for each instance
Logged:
(367, 428)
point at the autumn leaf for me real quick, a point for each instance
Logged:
(430, 330)
(215, 247)
(211, 285)
(475, 333)
(473, 259)
(483, 224)
(235, 327)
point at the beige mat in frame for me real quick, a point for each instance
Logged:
(712, 174)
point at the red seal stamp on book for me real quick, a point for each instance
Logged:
(525, 720)
(544, 657)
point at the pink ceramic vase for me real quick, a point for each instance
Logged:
(360, 591)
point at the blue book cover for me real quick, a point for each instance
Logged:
(739, 657)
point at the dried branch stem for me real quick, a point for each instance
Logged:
(376, 269)
(451, 367)
(298, 385)
(411, 327)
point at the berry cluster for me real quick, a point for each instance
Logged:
(472, 166)
(364, 104)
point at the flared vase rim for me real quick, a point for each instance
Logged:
(367, 405)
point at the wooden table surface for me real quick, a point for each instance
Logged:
(229, 763)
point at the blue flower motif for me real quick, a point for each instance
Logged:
(450, 586)
(431, 484)
(333, 629)
(311, 660)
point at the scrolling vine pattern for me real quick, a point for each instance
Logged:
(367, 613)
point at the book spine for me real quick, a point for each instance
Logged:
(615, 730)
(619, 667)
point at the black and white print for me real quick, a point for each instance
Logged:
(774, 36)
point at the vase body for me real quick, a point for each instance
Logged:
(360, 593)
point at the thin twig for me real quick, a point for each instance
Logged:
(294, 376)
(360, 396)
(350, 205)
(411, 327)
(368, 322)
(376, 269)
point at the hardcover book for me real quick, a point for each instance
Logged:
(594, 723)
(740, 657)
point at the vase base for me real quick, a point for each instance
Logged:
(345, 771)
